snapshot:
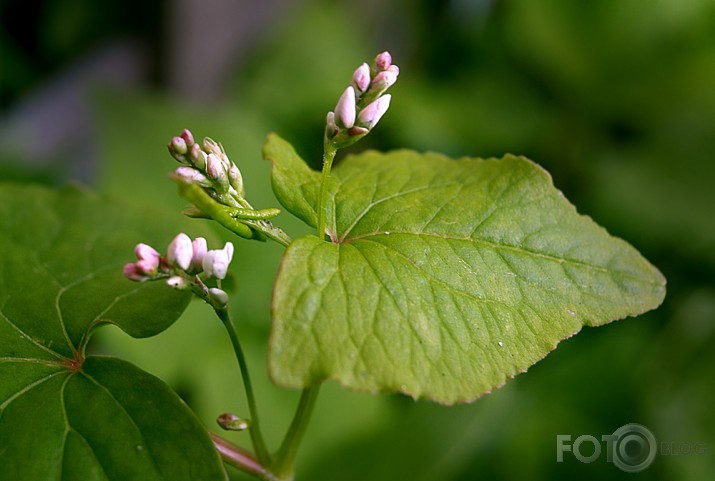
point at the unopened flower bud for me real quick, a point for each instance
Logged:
(132, 273)
(147, 252)
(198, 249)
(179, 157)
(147, 267)
(383, 61)
(218, 298)
(361, 78)
(188, 137)
(180, 252)
(216, 170)
(235, 179)
(192, 176)
(385, 79)
(331, 128)
(197, 157)
(177, 282)
(371, 115)
(216, 262)
(179, 145)
(214, 166)
(225, 161)
(212, 147)
(231, 422)
(345, 109)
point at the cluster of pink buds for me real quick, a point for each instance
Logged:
(207, 165)
(214, 186)
(184, 262)
(363, 103)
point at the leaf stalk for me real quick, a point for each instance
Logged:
(329, 152)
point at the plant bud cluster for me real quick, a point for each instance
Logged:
(363, 103)
(207, 165)
(185, 260)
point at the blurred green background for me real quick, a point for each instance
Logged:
(616, 98)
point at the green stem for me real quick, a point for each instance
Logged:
(283, 465)
(238, 457)
(328, 155)
(254, 430)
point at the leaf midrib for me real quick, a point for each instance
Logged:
(497, 246)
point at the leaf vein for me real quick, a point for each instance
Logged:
(434, 279)
(374, 336)
(129, 417)
(496, 246)
(374, 203)
(28, 388)
(24, 335)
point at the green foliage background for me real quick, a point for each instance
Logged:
(615, 98)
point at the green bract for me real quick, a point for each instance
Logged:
(444, 277)
(64, 415)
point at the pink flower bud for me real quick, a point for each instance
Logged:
(216, 262)
(217, 171)
(147, 252)
(176, 155)
(199, 249)
(132, 273)
(214, 166)
(197, 157)
(236, 179)
(361, 78)
(212, 147)
(191, 176)
(188, 137)
(372, 113)
(147, 267)
(385, 79)
(383, 61)
(179, 145)
(345, 109)
(180, 252)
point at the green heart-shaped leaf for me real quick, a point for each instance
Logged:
(444, 278)
(64, 415)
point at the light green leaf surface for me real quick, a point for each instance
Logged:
(444, 278)
(64, 416)
(295, 184)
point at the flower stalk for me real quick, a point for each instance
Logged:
(359, 109)
(254, 429)
(182, 266)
